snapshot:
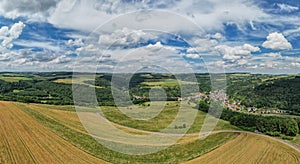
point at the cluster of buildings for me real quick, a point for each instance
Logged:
(196, 96)
(233, 106)
(236, 106)
(220, 95)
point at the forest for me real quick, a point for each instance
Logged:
(261, 91)
(271, 125)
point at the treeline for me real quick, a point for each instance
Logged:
(45, 90)
(271, 125)
(283, 93)
(35, 91)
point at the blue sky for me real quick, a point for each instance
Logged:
(257, 36)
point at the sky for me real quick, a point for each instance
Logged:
(256, 36)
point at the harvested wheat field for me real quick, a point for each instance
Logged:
(25, 140)
(251, 148)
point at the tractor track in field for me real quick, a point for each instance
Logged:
(7, 147)
(59, 142)
(27, 141)
(173, 134)
(22, 140)
(41, 138)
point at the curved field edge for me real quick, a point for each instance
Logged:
(23, 139)
(250, 148)
(174, 154)
(162, 120)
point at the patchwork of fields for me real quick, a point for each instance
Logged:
(36, 133)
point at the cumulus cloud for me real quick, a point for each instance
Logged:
(75, 42)
(8, 35)
(236, 56)
(242, 62)
(158, 46)
(89, 14)
(203, 45)
(125, 37)
(294, 64)
(212, 14)
(26, 59)
(193, 56)
(119, 6)
(27, 8)
(218, 36)
(274, 55)
(86, 15)
(87, 48)
(277, 41)
(237, 52)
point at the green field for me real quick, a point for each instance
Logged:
(162, 120)
(166, 83)
(61, 121)
(77, 80)
(13, 77)
(64, 123)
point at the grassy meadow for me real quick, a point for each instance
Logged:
(60, 127)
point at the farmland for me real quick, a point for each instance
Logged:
(10, 77)
(45, 128)
(25, 140)
(162, 120)
(250, 148)
(42, 128)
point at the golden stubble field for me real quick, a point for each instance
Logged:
(250, 148)
(25, 140)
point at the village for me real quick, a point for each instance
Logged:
(220, 95)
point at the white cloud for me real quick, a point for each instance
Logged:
(236, 57)
(292, 59)
(274, 55)
(250, 48)
(242, 62)
(287, 8)
(8, 35)
(75, 42)
(158, 46)
(125, 37)
(192, 56)
(237, 52)
(218, 36)
(87, 48)
(86, 15)
(212, 14)
(292, 33)
(294, 64)
(203, 45)
(38, 44)
(26, 59)
(277, 41)
(37, 9)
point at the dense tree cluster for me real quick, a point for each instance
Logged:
(271, 125)
(282, 93)
(260, 91)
